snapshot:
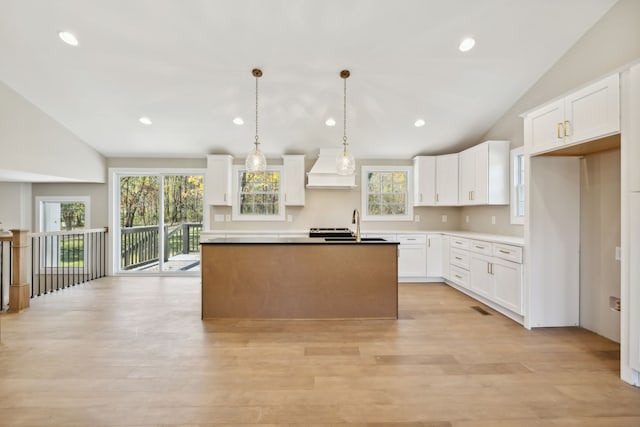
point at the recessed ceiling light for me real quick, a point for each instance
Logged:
(419, 123)
(330, 122)
(467, 44)
(145, 120)
(238, 121)
(68, 38)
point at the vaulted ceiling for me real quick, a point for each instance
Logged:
(187, 66)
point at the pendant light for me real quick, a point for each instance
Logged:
(256, 162)
(345, 163)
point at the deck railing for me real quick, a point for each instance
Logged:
(140, 244)
(66, 258)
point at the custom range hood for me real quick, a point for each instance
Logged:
(324, 173)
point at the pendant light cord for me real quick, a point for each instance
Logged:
(257, 114)
(344, 136)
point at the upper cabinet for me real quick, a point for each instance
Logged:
(435, 180)
(218, 183)
(424, 181)
(294, 194)
(484, 174)
(632, 131)
(447, 180)
(589, 113)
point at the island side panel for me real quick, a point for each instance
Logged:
(280, 281)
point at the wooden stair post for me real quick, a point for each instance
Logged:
(19, 295)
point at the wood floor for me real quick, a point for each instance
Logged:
(134, 352)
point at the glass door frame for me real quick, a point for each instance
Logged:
(114, 215)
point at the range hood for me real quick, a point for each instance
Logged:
(323, 174)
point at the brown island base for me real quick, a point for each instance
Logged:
(303, 278)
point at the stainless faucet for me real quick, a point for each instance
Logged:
(355, 219)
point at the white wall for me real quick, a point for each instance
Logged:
(15, 206)
(599, 236)
(31, 142)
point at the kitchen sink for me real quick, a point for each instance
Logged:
(353, 239)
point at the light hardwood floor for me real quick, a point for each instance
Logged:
(134, 352)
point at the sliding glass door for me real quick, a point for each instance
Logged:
(160, 220)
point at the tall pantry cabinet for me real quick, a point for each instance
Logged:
(630, 154)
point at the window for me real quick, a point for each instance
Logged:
(258, 195)
(62, 213)
(387, 193)
(517, 186)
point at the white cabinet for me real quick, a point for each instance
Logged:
(434, 255)
(447, 180)
(294, 191)
(589, 113)
(632, 133)
(480, 274)
(634, 280)
(424, 180)
(412, 258)
(435, 181)
(219, 180)
(507, 284)
(492, 272)
(446, 270)
(484, 174)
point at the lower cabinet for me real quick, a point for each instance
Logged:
(507, 284)
(492, 271)
(481, 279)
(412, 258)
(435, 254)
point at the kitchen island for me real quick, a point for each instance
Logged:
(299, 278)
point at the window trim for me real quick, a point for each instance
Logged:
(364, 172)
(235, 206)
(515, 153)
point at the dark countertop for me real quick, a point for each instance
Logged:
(293, 241)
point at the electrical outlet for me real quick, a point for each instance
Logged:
(493, 219)
(416, 218)
(289, 218)
(618, 253)
(444, 218)
(466, 219)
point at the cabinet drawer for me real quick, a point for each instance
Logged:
(412, 239)
(459, 276)
(459, 242)
(508, 252)
(481, 247)
(459, 259)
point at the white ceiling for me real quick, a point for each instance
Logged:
(187, 65)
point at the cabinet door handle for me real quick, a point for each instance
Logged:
(488, 268)
(504, 252)
(459, 277)
(428, 243)
(458, 258)
(479, 247)
(410, 239)
(559, 130)
(437, 197)
(565, 125)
